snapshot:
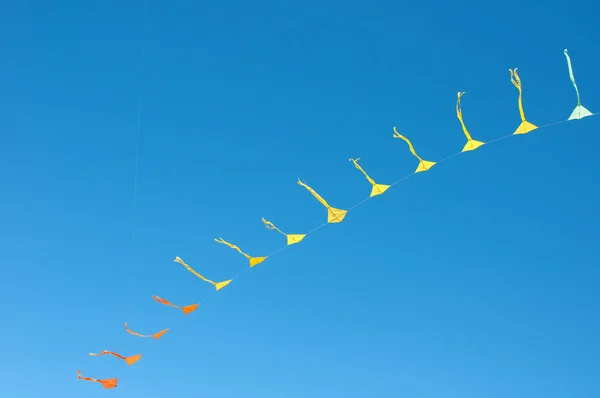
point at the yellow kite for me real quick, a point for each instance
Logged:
(424, 165)
(291, 238)
(525, 127)
(378, 189)
(217, 285)
(471, 144)
(333, 215)
(253, 260)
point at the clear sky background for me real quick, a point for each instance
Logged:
(476, 279)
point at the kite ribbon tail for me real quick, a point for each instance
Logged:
(572, 76)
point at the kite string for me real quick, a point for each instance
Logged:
(138, 129)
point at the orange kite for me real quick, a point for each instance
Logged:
(186, 309)
(155, 335)
(106, 383)
(130, 360)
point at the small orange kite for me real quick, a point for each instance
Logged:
(130, 360)
(186, 309)
(155, 335)
(106, 383)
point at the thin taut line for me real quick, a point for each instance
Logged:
(139, 123)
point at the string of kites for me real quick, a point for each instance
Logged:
(335, 215)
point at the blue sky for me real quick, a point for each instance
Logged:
(478, 278)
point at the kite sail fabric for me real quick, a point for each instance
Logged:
(253, 260)
(217, 285)
(106, 383)
(377, 189)
(333, 215)
(580, 111)
(186, 309)
(424, 165)
(130, 360)
(471, 144)
(155, 335)
(291, 238)
(525, 127)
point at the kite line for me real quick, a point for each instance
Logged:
(112, 383)
(138, 128)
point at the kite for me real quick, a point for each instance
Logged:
(106, 383)
(471, 144)
(525, 127)
(424, 165)
(291, 238)
(333, 215)
(580, 111)
(130, 360)
(378, 189)
(253, 260)
(186, 309)
(217, 285)
(155, 335)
